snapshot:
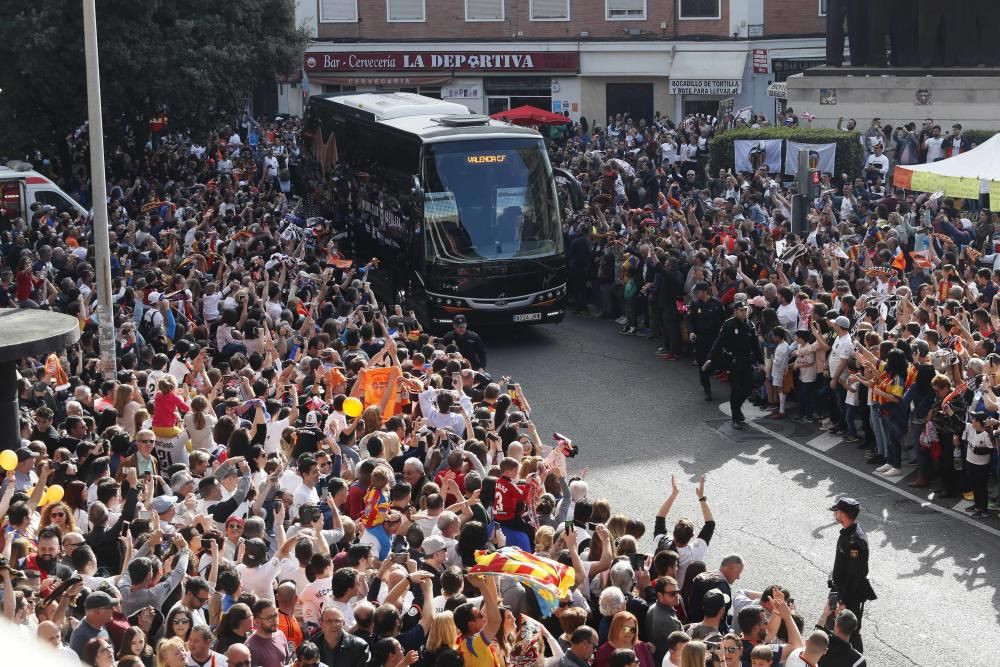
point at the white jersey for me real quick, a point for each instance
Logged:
(171, 451)
(314, 598)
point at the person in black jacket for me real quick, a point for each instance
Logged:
(669, 287)
(704, 321)
(104, 536)
(468, 342)
(840, 653)
(849, 578)
(579, 258)
(738, 349)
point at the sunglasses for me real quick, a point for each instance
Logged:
(146, 441)
(182, 621)
(55, 515)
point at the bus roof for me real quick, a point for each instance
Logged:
(431, 119)
(388, 106)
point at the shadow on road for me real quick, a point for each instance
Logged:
(623, 405)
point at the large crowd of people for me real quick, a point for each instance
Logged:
(288, 471)
(877, 323)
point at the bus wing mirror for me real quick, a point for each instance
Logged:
(417, 191)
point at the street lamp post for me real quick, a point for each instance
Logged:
(99, 190)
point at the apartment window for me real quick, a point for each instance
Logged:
(338, 11)
(701, 9)
(624, 10)
(550, 10)
(484, 10)
(822, 7)
(405, 11)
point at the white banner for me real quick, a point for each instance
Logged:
(826, 153)
(724, 87)
(751, 153)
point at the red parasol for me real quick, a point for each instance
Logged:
(529, 115)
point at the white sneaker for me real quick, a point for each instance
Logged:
(893, 472)
(886, 468)
(621, 320)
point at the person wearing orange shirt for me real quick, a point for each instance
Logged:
(286, 596)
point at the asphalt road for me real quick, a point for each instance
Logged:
(638, 420)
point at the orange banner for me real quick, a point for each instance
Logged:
(374, 381)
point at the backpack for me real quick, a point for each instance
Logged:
(146, 323)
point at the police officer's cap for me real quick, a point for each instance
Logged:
(847, 506)
(459, 320)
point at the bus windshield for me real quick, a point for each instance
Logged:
(489, 199)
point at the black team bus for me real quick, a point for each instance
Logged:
(462, 211)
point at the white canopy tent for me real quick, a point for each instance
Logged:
(965, 175)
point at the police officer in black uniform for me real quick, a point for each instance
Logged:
(704, 321)
(849, 579)
(468, 342)
(737, 349)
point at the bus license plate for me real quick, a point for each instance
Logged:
(527, 317)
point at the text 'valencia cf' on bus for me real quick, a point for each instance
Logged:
(462, 210)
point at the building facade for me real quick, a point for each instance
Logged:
(584, 58)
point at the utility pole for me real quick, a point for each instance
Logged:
(99, 195)
(800, 200)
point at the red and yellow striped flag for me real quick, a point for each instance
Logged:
(551, 581)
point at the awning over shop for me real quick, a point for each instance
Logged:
(389, 79)
(709, 73)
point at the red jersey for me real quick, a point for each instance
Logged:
(508, 495)
(459, 479)
(355, 501)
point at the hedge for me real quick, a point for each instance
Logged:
(850, 156)
(975, 136)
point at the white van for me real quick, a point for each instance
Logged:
(20, 186)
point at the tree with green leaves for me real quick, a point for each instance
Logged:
(200, 60)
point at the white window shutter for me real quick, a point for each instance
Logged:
(550, 9)
(406, 10)
(626, 7)
(338, 10)
(484, 10)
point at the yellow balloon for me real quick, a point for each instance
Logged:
(352, 408)
(54, 493)
(8, 459)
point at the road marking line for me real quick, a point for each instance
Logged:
(824, 442)
(885, 484)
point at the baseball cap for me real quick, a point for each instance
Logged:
(254, 552)
(163, 504)
(843, 322)
(847, 505)
(23, 454)
(459, 319)
(311, 418)
(99, 600)
(701, 287)
(433, 544)
(713, 601)
(154, 297)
